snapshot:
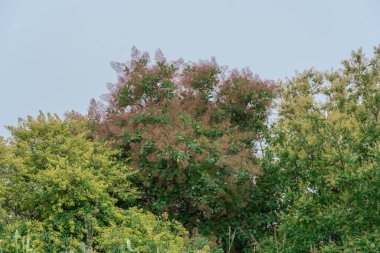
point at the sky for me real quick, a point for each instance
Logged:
(55, 55)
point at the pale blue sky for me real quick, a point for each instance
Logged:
(55, 55)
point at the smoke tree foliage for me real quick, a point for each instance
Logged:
(326, 141)
(59, 191)
(189, 129)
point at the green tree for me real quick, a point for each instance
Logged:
(326, 142)
(60, 190)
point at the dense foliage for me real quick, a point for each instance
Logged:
(59, 191)
(182, 157)
(326, 142)
(190, 130)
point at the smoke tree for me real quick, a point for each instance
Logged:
(190, 130)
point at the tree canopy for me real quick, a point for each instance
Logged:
(190, 130)
(60, 189)
(326, 142)
(197, 158)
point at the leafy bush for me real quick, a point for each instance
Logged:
(60, 189)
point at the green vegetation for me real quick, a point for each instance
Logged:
(188, 130)
(181, 157)
(326, 141)
(60, 191)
